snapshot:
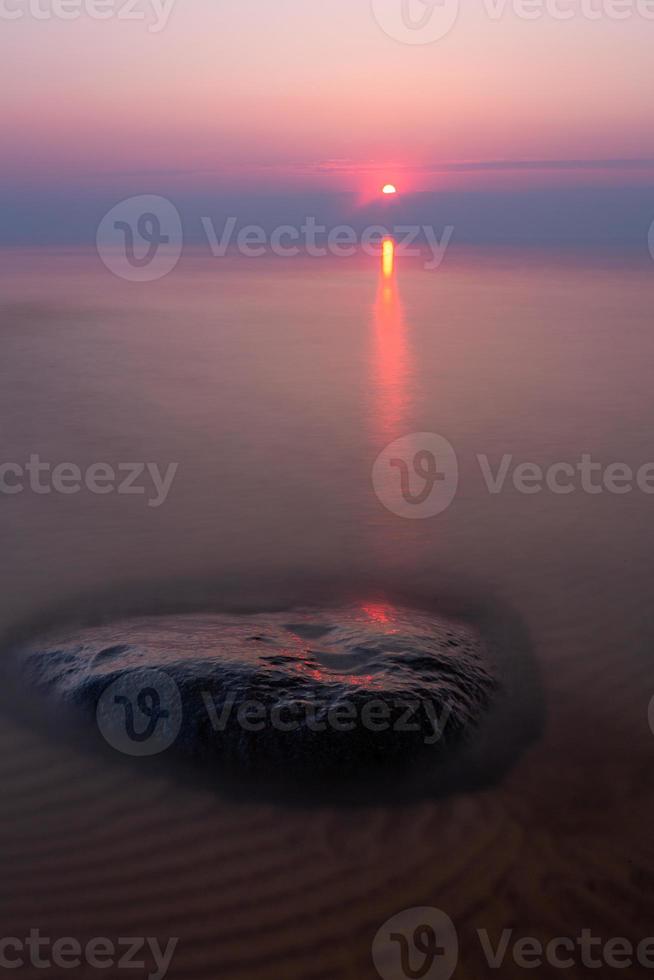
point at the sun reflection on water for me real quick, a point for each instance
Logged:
(390, 354)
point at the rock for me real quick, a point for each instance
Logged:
(304, 697)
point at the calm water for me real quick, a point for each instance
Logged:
(274, 385)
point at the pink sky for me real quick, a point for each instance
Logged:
(295, 90)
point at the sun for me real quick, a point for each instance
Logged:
(389, 189)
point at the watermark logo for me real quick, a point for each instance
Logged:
(140, 713)
(650, 715)
(416, 476)
(416, 944)
(150, 481)
(146, 954)
(420, 717)
(650, 240)
(416, 21)
(316, 240)
(427, 21)
(155, 12)
(422, 944)
(141, 238)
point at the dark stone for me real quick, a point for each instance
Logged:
(324, 696)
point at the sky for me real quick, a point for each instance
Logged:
(279, 105)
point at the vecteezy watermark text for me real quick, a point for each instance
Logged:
(423, 942)
(417, 476)
(375, 715)
(155, 12)
(42, 478)
(141, 714)
(317, 241)
(99, 953)
(141, 239)
(427, 21)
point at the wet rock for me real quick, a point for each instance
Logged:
(306, 695)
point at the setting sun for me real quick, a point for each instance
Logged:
(389, 189)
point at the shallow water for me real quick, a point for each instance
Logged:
(275, 386)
